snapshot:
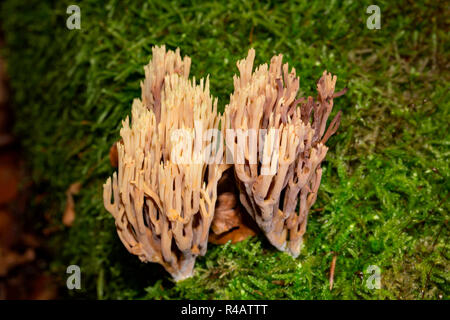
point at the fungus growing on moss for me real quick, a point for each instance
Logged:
(277, 148)
(163, 207)
(170, 161)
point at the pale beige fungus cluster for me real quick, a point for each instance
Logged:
(164, 209)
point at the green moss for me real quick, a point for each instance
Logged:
(384, 194)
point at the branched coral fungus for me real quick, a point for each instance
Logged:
(170, 160)
(276, 148)
(165, 190)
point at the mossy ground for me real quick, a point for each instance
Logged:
(384, 194)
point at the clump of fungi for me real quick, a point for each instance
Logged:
(283, 150)
(163, 196)
(164, 208)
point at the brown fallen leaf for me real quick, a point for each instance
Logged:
(226, 217)
(114, 155)
(230, 219)
(228, 223)
(235, 235)
(69, 212)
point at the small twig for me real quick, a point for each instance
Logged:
(333, 266)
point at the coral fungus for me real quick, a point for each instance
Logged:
(163, 207)
(170, 159)
(276, 148)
